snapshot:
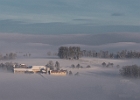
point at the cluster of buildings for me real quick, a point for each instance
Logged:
(38, 69)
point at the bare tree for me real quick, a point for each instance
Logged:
(57, 65)
(69, 52)
(50, 65)
(130, 71)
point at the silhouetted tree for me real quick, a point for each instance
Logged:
(103, 64)
(130, 71)
(50, 65)
(72, 66)
(57, 65)
(88, 66)
(78, 66)
(69, 52)
(70, 72)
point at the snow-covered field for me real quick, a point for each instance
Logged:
(95, 83)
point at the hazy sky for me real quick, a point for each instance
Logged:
(69, 16)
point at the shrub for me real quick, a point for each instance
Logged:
(78, 66)
(109, 65)
(70, 72)
(130, 71)
(103, 64)
(81, 66)
(88, 66)
(72, 66)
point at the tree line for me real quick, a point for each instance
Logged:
(8, 66)
(8, 56)
(106, 54)
(69, 52)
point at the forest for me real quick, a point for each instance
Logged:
(106, 54)
(69, 52)
(76, 52)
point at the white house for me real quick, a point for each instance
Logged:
(38, 68)
(33, 69)
(22, 70)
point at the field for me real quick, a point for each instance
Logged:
(96, 83)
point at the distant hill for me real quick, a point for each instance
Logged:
(43, 43)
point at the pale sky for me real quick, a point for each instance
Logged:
(69, 16)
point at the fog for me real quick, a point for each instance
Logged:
(95, 83)
(41, 44)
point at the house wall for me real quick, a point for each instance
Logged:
(58, 73)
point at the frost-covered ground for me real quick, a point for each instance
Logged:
(95, 83)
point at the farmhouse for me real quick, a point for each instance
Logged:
(30, 69)
(36, 69)
(40, 69)
(22, 70)
(58, 72)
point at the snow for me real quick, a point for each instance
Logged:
(96, 83)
